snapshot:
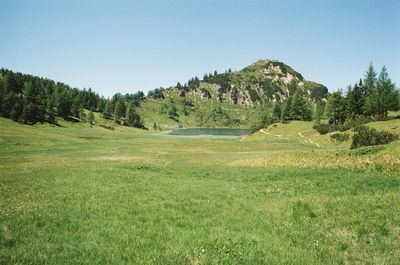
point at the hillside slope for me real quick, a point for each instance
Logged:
(297, 144)
(262, 81)
(230, 99)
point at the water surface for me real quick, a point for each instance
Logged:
(211, 131)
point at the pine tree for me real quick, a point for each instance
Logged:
(336, 108)
(287, 110)
(356, 101)
(394, 100)
(82, 115)
(76, 106)
(385, 90)
(107, 111)
(132, 117)
(292, 88)
(65, 103)
(29, 113)
(371, 102)
(2, 94)
(371, 97)
(41, 103)
(120, 110)
(51, 116)
(102, 104)
(276, 113)
(17, 109)
(319, 111)
(91, 118)
(370, 77)
(8, 104)
(364, 93)
(130, 114)
(173, 113)
(300, 110)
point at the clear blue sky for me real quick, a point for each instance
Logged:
(125, 46)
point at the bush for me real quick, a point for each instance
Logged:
(360, 128)
(340, 137)
(367, 150)
(343, 127)
(322, 128)
(368, 136)
(359, 121)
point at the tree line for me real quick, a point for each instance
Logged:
(370, 98)
(30, 99)
(194, 83)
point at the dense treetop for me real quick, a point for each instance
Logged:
(30, 99)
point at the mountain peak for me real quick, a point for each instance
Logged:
(264, 80)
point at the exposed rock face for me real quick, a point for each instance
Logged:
(264, 80)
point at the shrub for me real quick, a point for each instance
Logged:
(359, 121)
(360, 128)
(367, 150)
(340, 137)
(343, 127)
(368, 136)
(322, 128)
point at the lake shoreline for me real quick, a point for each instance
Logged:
(211, 131)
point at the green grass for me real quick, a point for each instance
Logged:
(81, 195)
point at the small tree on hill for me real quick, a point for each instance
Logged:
(91, 118)
(319, 111)
(82, 115)
(276, 113)
(355, 100)
(51, 115)
(371, 93)
(132, 117)
(336, 108)
(120, 110)
(29, 113)
(387, 96)
(173, 113)
(301, 109)
(287, 110)
(107, 113)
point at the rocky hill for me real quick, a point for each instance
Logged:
(265, 80)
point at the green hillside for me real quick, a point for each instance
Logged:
(263, 81)
(230, 99)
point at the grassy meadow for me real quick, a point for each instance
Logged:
(72, 194)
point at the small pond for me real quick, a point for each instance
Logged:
(211, 131)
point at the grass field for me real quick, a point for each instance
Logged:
(72, 194)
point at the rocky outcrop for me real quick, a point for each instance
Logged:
(264, 80)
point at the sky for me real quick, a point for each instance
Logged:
(125, 46)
